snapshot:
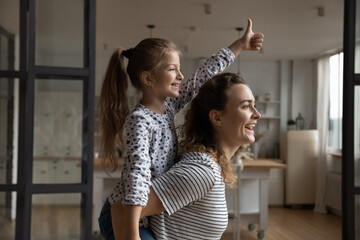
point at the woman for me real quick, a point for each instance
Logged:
(188, 201)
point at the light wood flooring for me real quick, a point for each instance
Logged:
(293, 224)
(284, 224)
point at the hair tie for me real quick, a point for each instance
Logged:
(127, 53)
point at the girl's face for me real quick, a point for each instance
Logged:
(239, 117)
(168, 77)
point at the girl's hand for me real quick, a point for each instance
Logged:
(251, 40)
(125, 226)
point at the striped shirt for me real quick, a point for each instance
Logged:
(193, 195)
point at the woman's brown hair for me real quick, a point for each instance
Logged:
(198, 132)
(148, 55)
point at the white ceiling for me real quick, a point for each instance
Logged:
(292, 28)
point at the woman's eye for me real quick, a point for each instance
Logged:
(246, 106)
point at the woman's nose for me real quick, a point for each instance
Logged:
(256, 114)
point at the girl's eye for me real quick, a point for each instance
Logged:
(246, 106)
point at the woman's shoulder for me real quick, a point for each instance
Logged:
(198, 158)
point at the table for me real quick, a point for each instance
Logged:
(251, 193)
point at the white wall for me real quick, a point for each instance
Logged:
(303, 91)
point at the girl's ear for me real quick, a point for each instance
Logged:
(215, 118)
(146, 79)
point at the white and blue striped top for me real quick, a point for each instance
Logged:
(193, 195)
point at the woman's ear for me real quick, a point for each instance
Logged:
(146, 79)
(215, 117)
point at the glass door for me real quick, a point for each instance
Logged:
(9, 83)
(351, 124)
(46, 118)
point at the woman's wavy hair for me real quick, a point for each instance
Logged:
(197, 132)
(148, 55)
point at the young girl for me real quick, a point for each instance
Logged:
(149, 141)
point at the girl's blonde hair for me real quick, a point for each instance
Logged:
(148, 55)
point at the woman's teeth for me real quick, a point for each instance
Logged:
(250, 126)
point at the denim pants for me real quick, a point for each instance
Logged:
(106, 227)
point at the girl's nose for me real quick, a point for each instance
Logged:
(180, 76)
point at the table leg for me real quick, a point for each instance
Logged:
(264, 185)
(237, 205)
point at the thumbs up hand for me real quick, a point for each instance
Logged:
(251, 40)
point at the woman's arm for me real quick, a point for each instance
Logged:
(154, 205)
(128, 228)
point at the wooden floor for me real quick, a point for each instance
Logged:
(293, 224)
(284, 224)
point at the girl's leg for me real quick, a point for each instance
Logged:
(105, 222)
(146, 233)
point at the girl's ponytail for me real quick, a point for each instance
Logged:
(113, 109)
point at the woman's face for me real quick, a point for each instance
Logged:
(239, 117)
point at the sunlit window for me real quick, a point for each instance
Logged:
(335, 101)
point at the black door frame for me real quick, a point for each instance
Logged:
(27, 74)
(348, 156)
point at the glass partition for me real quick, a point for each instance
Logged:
(7, 215)
(58, 122)
(4, 51)
(56, 216)
(8, 129)
(59, 33)
(9, 34)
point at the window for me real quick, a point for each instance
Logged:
(335, 102)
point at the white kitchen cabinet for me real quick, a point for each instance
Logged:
(276, 187)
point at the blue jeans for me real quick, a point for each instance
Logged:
(106, 227)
